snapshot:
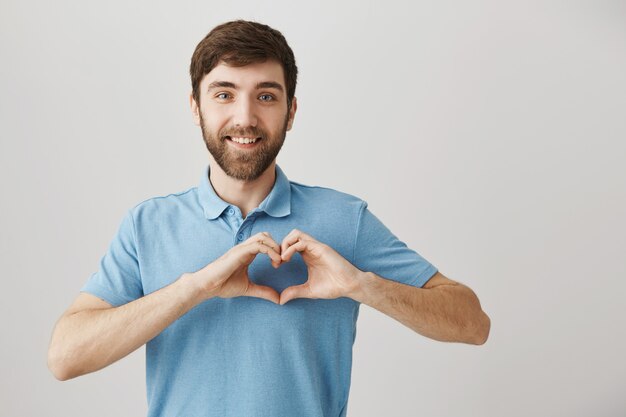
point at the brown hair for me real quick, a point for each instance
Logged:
(240, 43)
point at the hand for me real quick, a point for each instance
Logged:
(330, 274)
(227, 276)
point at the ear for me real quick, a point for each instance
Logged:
(195, 109)
(292, 112)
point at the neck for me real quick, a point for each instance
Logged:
(246, 195)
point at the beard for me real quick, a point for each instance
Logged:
(244, 165)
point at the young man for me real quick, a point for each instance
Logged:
(228, 332)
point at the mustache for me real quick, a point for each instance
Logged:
(249, 131)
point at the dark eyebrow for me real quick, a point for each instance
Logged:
(228, 84)
(221, 84)
(270, 84)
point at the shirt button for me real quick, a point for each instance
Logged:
(231, 211)
(240, 237)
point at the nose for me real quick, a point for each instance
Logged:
(245, 113)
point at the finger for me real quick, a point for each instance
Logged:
(266, 239)
(299, 246)
(295, 291)
(261, 247)
(262, 291)
(292, 237)
(248, 251)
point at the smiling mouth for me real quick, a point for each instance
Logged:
(243, 140)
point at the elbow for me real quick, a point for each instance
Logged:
(59, 364)
(481, 333)
(477, 324)
(59, 374)
(56, 366)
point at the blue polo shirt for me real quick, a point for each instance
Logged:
(247, 356)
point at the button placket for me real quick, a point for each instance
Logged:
(244, 231)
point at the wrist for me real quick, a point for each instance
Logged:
(192, 284)
(363, 281)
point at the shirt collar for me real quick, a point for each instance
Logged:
(276, 204)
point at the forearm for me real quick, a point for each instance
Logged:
(448, 313)
(89, 340)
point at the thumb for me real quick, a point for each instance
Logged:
(295, 291)
(262, 291)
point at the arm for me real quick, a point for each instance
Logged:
(92, 334)
(442, 309)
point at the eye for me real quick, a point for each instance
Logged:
(266, 97)
(223, 96)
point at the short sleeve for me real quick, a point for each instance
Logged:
(118, 279)
(379, 251)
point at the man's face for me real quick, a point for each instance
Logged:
(239, 105)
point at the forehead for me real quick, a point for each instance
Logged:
(248, 75)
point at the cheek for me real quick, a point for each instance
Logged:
(276, 120)
(213, 120)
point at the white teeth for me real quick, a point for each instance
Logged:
(243, 140)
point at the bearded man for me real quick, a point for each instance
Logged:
(234, 323)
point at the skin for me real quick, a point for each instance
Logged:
(93, 334)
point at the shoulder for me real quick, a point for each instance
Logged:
(325, 196)
(324, 207)
(165, 204)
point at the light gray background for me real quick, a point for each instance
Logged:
(488, 135)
